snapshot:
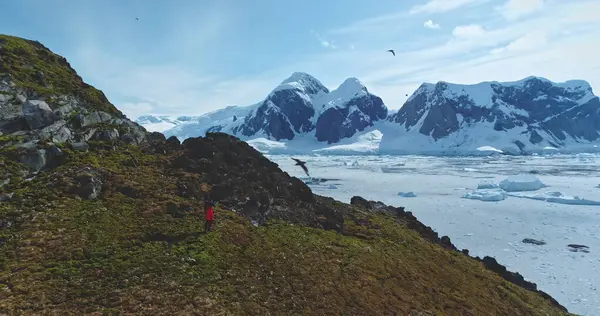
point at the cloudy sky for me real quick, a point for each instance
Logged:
(191, 57)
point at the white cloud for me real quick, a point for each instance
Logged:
(430, 25)
(468, 31)
(532, 45)
(515, 9)
(440, 6)
(528, 42)
(324, 42)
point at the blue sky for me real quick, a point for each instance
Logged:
(189, 57)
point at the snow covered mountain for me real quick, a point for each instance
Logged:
(302, 109)
(530, 115)
(161, 123)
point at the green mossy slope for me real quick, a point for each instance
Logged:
(144, 253)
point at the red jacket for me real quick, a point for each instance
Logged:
(210, 214)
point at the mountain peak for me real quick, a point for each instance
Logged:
(303, 82)
(352, 84)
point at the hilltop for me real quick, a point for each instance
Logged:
(111, 224)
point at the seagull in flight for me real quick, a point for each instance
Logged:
(302, 164)
(392, 51)
(137, 19)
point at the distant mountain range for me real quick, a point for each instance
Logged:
(301, 115)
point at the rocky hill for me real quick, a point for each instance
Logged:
(114, 227)
(43, 102)
(301, 106)
(530, 115)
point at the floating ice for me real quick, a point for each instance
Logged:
(521, 182)
(407, 194)
(487, 195)
(487, 185)
(557, 197)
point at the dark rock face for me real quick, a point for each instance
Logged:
(537, 104)
(338, 123)
(37, 114)
(298, 110)
(88, 184)
(534, 241)
(268, 118)
(428, 234)
(578, 248)
(249, 183)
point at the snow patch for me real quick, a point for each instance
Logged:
(520, 183)
(266, 145)
(489, 149)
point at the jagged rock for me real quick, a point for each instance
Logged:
(128, 138)
(20, 98)
(361, 202)
(57, 132)
(64, 111)
(38, 114)
(533, 241)
(94, 118)
(106, 135)
(34, 158)
(54, 156)
(173, 142)
(89, 184)
(578, 248)
(38, 159)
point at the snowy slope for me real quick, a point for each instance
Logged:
(525, 116)
(161, 123)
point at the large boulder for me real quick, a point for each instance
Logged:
(38, 114)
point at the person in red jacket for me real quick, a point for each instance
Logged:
(209, 214)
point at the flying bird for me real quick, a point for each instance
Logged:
(392, 51)
(302, 164)
(137, 19)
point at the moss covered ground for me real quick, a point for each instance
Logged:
(35, 68)
(145, 253)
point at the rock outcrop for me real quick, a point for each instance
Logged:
(44, 104)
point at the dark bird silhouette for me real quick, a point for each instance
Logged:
(302, 164)
(137, 19)
(407, 94)
(392, 51)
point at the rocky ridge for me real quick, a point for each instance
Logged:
(48, 105)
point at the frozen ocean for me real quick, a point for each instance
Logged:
(489, 205)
